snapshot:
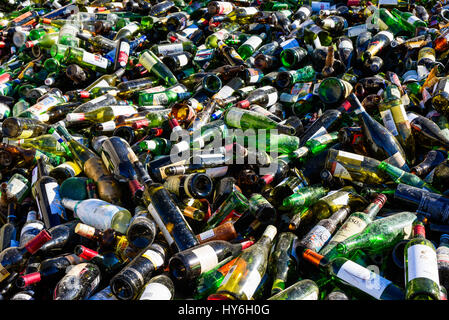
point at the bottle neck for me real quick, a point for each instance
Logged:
(37, 242)
(419, 231)
(374, 207)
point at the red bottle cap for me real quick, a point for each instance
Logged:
(419, 229)
(244, 104)
(135, 186)
(217, 296)
(312, 257)
(86, 253)
(38, 241)
(246, 244)
(173, 122)
(267, 179)
(140, 124)
(29, 279)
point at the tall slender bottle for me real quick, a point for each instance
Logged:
(422, 280)
(248, 270)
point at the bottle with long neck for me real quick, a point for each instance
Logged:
(354, 224)
(380, 234)
(432, 159)
(93, 167)
(282, 262)
(421, 267)
(320, 234)
(14, 259)
(21, 128)
(49, 270)
(108, 240)
(191, 263)
(381, 142)
(78, 283)
(142, 229)
(246, 274)
(31, 228)
(168, 217)
(48, 197)
(355, 276)
(302, 290)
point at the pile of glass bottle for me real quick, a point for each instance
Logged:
(224, 150)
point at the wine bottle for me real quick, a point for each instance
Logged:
(22, 128)
(380, 234)
(282, 264)
(79, 282)
(195, 185)
(48, 197)
(380, 142)
(8, 232)
(443, 261)
(246, 274)
(127, 284)
(421, 267)
(354, 224)
(432, 159)
(191, 263)
(14, 259)
(49, 270)
(31, 228)
(99, 214)
(108, 240)
(356, 276)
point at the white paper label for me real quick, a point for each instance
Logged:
(251, 284)
(272, 98)
(154, 257)
(342, 200)
(206, 235)
(422, 263)
(31, 226)
(318, 133)
(388, 121)
(207, 258)
(95, 59)
(412, 19)
(363, 279)
(349, 155)
(318, 236)
(170, 48)
(54, 200)
(254, 42)
(182, 60)
(15, 186)
(156, 291)
(345, 44)
(351, 226)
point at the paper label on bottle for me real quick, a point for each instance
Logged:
(206, 235)
(43, 105)
(388, 2)
(318, 133)
(349, 157)
(15, 186)
(442, 255)
(345, 44)
(207, 257)
(251, 284)
(317, 238)
(351, 226)
(95, 59)
(98, 215)
(31, 226)
(397, 160)
(254, 42)
(399, 115)
(3, 273)
(225, 92)
(160, 98)
(171, 48)
(422, 263)
(342, 200)
(354, 31)
(94, 284)
(289, 43)
(388, 34)
(363, 279)
(182, 60)
(53, 197)
(412, 116)
(156, 291)
(108, 126)
(172, 184)
(152, 210)
(272, 98)
(388, 121)
(413, 19)
(254, 75)
(305, 10)
(154, 257)
(340, 171)
(317, 6)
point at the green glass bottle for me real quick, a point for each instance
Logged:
(354, 224)
(355, 276)
(154, 65)
(380, 234)
(86, 59)
(421, 267)
(302, 290)
(400, 176)
(286, 79)
(282, 264)
(45, 142)
(304, 197)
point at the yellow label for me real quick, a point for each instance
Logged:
(399, 114)
(3, 273)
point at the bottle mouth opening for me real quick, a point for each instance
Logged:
(122, 289)
(202, 185)
(178, 269)
(288, 58)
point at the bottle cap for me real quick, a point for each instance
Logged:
(75, 117)
(38, 241)
(85, 253)
(244, 104)
(84, 230)
(28, 279)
